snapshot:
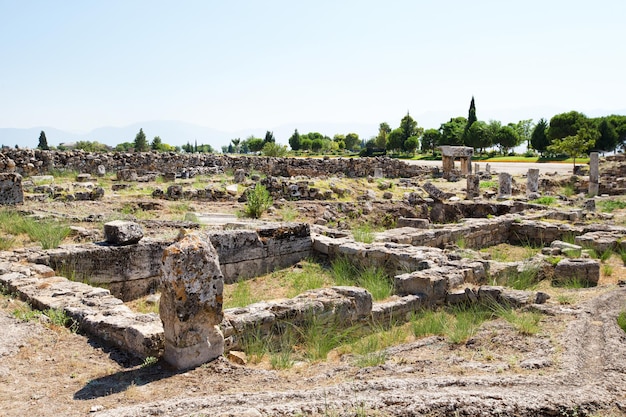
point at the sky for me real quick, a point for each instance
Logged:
(232, 65)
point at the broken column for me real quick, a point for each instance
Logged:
(191, 302)
(504, 185)
(594, 174)
(532, 183)
(473, 186)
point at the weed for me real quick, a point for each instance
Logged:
(609, 206)
(258, 201)
(60, 318)
(488, 184)
(546, 200)
(149, 361)
(428, 322)
(282, 359)
(311, 276)
(574, 282)
(191, 217)
(605, 255)
(7, 243)
(255, 345)
(566, 299)
(25, 313)
(622, 255)
(373, 279)
(607, 270)
(568, 190)
(526, 323)
(554, 260)
(621, 320)
(318, 337)
(460, 242)
(569, 237)
(241, 296)
(523, 280)
(363, 233)
(288, 214)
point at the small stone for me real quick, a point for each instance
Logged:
(120, 232)
(96, 408)
(238, 357)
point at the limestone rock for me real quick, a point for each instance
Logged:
(120, 232)
(11, 191)
(585, 270)
(191, 302)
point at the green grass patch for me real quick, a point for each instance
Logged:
(374, 279)
(525, 279)
(241, 296)
(621, 320)
(310, 276)
(363, 233)
(547, 200)
(608, 206)
(488, 184)
(48, 233)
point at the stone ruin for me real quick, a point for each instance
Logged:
(450, 153)
(192, 327)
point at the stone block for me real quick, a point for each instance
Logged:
(11, 191)
(120, 232)
(191, 302)
(584, 270)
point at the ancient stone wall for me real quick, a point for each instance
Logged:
(38, 162)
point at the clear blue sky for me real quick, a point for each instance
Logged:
(230, 65)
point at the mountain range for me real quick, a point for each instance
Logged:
(174, 133)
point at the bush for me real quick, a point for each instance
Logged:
(258, 201)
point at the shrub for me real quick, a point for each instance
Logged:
(621, 320)
(258, 201)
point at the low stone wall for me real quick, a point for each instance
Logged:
(132, 271)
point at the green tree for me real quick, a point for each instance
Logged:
(269, 137)
(255, 144)
(140, 143)
(411, 144)
(236, 142)
(43, 142)
(295, 141)
(124, 147)
(620, 127)
(409, 127)
(451, 132)
(576, 145)
(471, 118)
(156, 144)
(395, 140)
(430, 139)
(539, 139)
(91, 146)
(317, 144)
(477, 136)
(306, 144)
(524, 129)
(565, 124)
(383, 132)
(352, 141)
(507, 138)
(608, 137)
(274, 149)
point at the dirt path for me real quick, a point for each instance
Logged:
(587, 374)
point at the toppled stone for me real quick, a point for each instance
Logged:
(435, 193)
(191, 303)
(414, 223)
(120, 232)
(239, 176)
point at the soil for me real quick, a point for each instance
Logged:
(574, 366)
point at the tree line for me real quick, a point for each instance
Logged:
(571, 133)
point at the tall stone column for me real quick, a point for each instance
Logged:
(191, 302)
(466, 165)
(473, 186)
(448, 164)
(594, 174)
(532, 183)
(505, 185)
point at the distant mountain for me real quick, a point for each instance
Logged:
(175, 133)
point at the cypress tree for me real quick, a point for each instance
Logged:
(471, 118)
(43, 142)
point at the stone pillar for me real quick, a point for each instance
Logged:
(191, 302)
(476, 168)
(505, 185)
(473, 187)
(594, 174)
(466, 165)
(488, 168)
(378, 173)
(532, 183)
(11, 191)
(448, 164)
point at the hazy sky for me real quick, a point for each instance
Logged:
(79, 65)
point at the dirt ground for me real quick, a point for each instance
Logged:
(574, 366)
